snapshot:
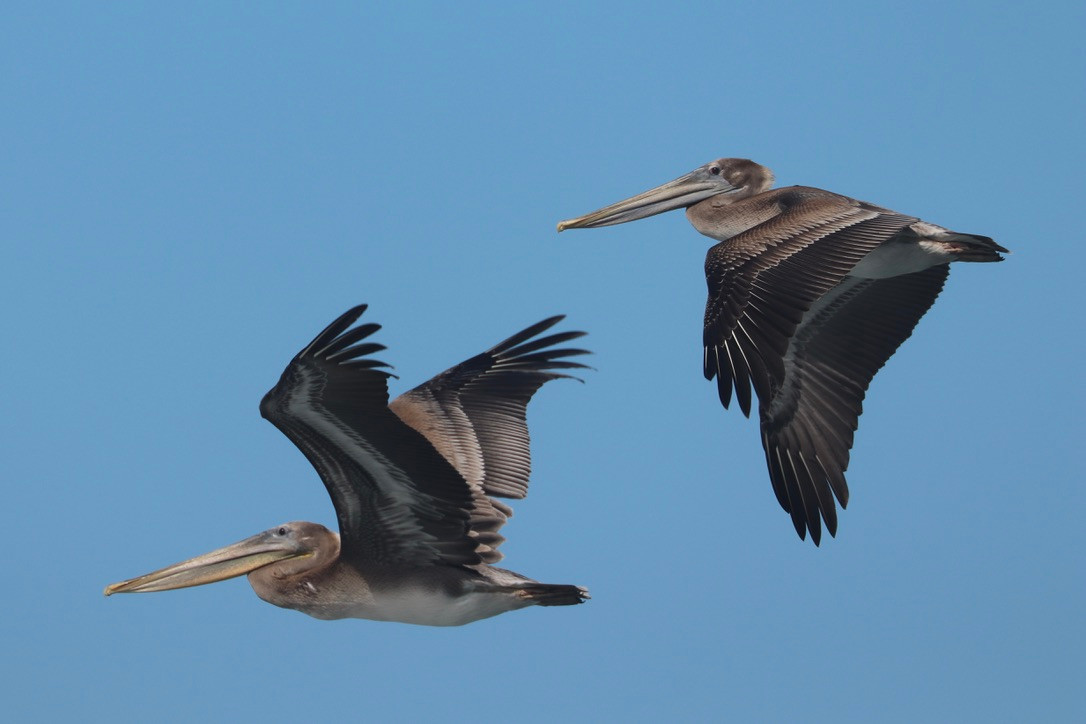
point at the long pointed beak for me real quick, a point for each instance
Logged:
(218, 565)
(682, 192)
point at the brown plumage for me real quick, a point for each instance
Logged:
(414, 485)
(809, 294)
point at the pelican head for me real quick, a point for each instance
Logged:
(283, 550)
(731, 179)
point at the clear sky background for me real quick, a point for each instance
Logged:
(189, 194)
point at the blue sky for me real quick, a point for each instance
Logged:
(189, 194)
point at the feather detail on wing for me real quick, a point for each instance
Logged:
(474, 415)
(762, 281)
(397, 500)
(807, 429)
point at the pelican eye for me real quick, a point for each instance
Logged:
(282, 530)
(715, 170)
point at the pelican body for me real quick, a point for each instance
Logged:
(810, 293)
(414, 484)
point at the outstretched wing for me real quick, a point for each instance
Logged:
(762, 281)
(398, 501)
(782, 318)
(807, 429)
(474, 415)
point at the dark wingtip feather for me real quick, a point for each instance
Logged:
(550, 340)
(814, 525)
(522, 352)
(548, 358)
(710, 365)
(358, 350)
(742, 391)
(525, 334)
(724, 391)
(347, 338)
(707, 371)
(333, 330)
(340, 344)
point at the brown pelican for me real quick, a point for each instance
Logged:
(810, 292)
(411, 483)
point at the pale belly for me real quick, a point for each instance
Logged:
(422, 605)
(895, 258)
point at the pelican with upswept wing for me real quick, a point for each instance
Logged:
(415, 485)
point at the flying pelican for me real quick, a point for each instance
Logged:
(411, 483)
(810, 292)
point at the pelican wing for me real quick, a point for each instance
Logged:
(474, 415)
(762, 281)
(807, 429)
(398, 501)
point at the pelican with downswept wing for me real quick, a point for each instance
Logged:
(810, 293)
